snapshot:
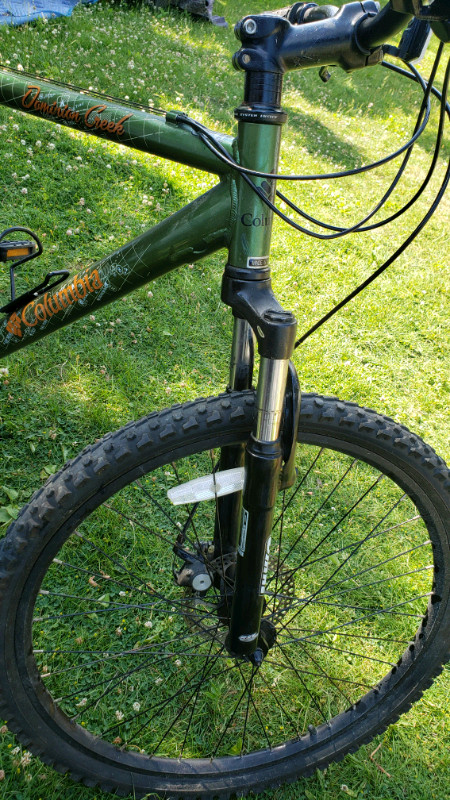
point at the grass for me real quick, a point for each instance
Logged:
(387, 350)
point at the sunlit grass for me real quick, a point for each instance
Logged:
(387, 350)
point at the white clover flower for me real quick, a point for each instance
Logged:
(136, 706)
(120, 715)
(148, 624)
(82, 703)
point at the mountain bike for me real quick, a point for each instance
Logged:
(239, 590)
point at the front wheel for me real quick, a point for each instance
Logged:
(112, 648)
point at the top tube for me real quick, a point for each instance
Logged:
(102, 116)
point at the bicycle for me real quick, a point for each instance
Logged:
(250, 646)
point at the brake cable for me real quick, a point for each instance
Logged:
(428, 88)
(220, 151)
(444, 109)
(224, 156)
(360, 226)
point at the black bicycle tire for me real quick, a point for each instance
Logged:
(129, 452)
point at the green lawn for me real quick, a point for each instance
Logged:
(387, 350)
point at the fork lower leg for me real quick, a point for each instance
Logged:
(263, 466)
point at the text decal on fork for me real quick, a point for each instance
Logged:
(262, 588)
(243, 539)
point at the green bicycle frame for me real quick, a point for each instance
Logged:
(200, 228)
(231, 215)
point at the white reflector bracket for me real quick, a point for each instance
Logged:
(208, 487)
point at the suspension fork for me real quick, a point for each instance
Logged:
(247, 519)
(275, 333)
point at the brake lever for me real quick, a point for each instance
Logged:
(437, 13)
(414, 42)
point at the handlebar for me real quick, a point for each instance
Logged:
(307, 35)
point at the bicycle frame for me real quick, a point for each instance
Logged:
(194, 231)
(229, 215)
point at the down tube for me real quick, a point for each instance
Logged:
(192, 232)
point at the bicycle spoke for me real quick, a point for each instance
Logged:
(330, 680)
(159, 705)
(306, 561)
(300, 483)
(316, 514)
(152, 593)
(160, 508)
(277, 701)
(351, 554)
(141, 525)
(315, 675)
(381, 580)
(352, 653)
(355, 543)
(303, 683)
(280, 537)
(173, 697)
(248, 687)
(184, 706)
(202, 680)
(165, 656)
(388, 610)
(347, 635)
(109, 656)
(98, 576)
(255, 708)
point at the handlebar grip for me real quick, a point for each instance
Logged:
(375, 31)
